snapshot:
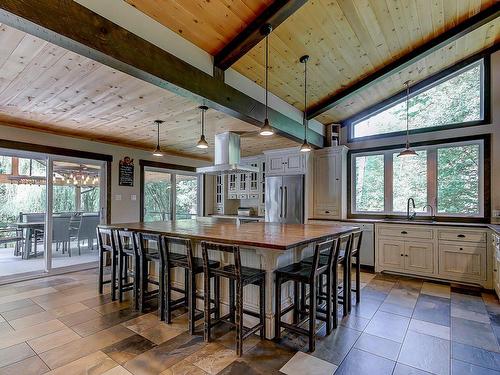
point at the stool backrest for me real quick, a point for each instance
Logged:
(356, 240)
(105, 239)
(185, 243)
(144, 242)
(328, 248)
(127, 241)
(345, 245)
(221, 248)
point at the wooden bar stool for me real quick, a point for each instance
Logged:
(192, 266)
(344, 259)
(238, 277)
(107, 245)
(306, 274)
(150, 250)
(355, 250)
(128, 253)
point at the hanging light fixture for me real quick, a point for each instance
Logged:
(407, 151)
(267, 130)
(306, 147)
(202, 143)
(157, 151)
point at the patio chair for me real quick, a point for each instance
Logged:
(60, 233)
(75, 224)
(90, 221)
(10, 235)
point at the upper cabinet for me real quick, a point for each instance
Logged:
(285, 162)
(330, 183)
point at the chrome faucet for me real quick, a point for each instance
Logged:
(413, 214)
(432, 210)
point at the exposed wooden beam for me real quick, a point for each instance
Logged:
(415, 55)
(78, 29)
(273, 15)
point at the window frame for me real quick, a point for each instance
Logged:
(173, 170)
(483, 59)
(432, 183)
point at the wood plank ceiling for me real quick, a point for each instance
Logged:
(45, 87)
(347, 40)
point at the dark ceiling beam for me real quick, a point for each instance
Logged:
(274, 14)
(449, 36)
(69, 25)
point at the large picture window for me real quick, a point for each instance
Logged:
(449, 177)
(455, 99)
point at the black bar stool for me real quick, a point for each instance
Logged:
(306, 274)
(106, 244)
(128, 253)
(355, 250)
(192, 266)
(344, 259)
(238, 277)
(150, 250)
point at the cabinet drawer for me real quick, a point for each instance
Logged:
(253, 196)
(461, 235)
(462, 262)
(232, 196)
(406, 232)
(242, 196)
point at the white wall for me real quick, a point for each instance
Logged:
(493, 129)
(125, 210)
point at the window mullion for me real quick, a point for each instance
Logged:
(432, 178)
(173, 197)
(388, 183)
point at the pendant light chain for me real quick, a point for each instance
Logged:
(267, 72)
(407, 117)
(305, 99)
(158, 134)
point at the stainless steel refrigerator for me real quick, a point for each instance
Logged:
(285, 199)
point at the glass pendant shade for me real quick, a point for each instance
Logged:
(202, 143)
(157, 151)
(306, 147)
(266, 130)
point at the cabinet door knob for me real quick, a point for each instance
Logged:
(461, 236)
(461, 248)
(404, 232)
(327, 212)
(402, 255)
(406, 255)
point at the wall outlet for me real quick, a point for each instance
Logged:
(118, 197)
(133, 197)
(495, 213)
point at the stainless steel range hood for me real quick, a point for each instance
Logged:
(227, 156)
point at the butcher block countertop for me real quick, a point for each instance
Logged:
(265, 235)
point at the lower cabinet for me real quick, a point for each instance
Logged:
(462, 262)
(412, 257)
(441, 252)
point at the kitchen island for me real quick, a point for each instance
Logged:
(266, 246)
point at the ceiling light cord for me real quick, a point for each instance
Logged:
(267, 72)
(407, 117)
(305, 99)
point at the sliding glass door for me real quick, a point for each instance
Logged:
(169, 195)
(49, 209)
(76, 211)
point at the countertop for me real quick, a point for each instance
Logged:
(415, 222)
(495, 228)
(264, 235)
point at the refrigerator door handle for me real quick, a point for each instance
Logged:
(285, 202)
(281, 201)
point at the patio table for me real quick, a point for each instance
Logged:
(29, 228)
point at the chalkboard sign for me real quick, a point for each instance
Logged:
(126, 175)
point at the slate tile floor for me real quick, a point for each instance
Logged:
(60, 325)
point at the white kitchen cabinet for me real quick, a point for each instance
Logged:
(419, 257)
(449, 253)
(330, 183)
(496, 263)
(222, 202)
(391, 254)
(462, 262)
(288, 161)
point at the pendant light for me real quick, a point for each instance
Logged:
(202, 143)
(267, 130)
(157, 151)
(407, 151)
(306, 147)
